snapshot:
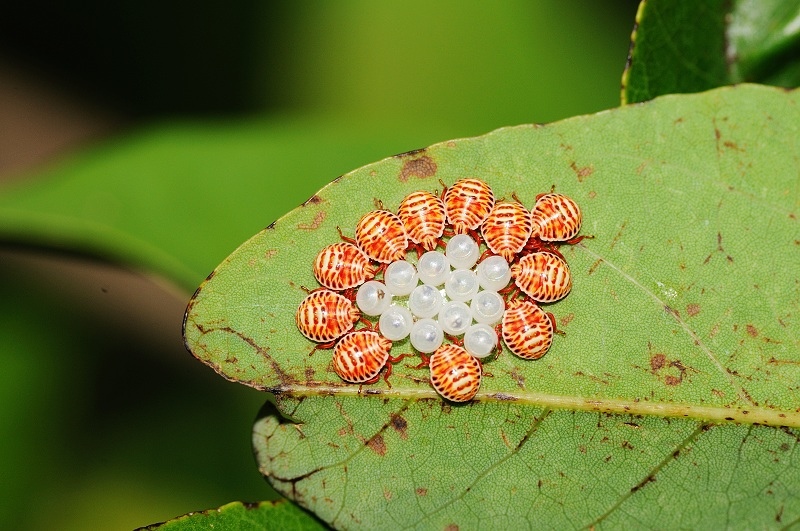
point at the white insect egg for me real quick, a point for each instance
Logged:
(462, 251)
(487, 307)
(425, 301)
(373, 298)
(480, 340)
(400, 278)
(433, 268)
(455, 318)
(426, 336)
(396, 322)
(494, 273)
(461, 285)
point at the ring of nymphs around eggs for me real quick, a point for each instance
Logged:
(457, 274)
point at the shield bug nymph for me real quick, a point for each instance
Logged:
(542, 276)
(507, 229)
(382, 236)
(455, 373)
(325, 316)
(556, 218)
(527, 329)
(341, 266)
(423, 216)
(467, 204)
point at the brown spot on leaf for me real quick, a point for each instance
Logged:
(387, 494)
(377, 445)
(270, 253)
(451, 527)
(657, 361)
(309, 374)
(720, 250)
(422, 168)
(627, 445)
(421, 491)
(411, 153)
(732, 145)
(618, 235)
(315, 223)
(671, 380)
(775, 361)
(582, 172)
(692, 309)
(518, 377)
(313, 200)
(595, 265)
(752, 331)
(505, 439)
(642, 483)
(400, 425)
(592, 194)
(566, 320)
(718, 393)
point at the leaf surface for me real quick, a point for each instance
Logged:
(680, 321)
(236, 515)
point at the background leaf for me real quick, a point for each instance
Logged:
(120, 202)
(677, 311)
(764, 40)
(680, 47)
(676, 47)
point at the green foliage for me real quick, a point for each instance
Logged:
(764, 41)
(678, 314)
(682, 47)
(675, 47)
(175, 200)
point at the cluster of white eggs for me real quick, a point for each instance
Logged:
(444, 294)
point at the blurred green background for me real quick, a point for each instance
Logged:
(105, 420)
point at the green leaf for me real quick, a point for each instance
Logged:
(764, 40)
(682, 47)
(174, 199)
(679, 322)
(676, 47)
(390, 464)
(265, 515)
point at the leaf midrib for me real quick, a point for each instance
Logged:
(715, 414)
